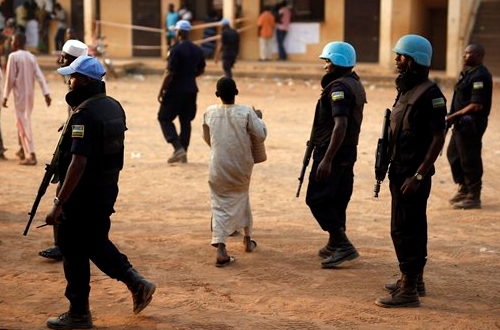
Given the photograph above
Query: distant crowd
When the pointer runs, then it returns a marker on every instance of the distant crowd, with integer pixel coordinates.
(31, 17)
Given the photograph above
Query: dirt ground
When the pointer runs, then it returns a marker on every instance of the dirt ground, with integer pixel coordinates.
(162, 222)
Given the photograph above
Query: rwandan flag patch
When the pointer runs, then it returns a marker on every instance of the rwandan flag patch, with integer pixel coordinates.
(77, 131)
(336, 96)
(478, 85)
(438, 103)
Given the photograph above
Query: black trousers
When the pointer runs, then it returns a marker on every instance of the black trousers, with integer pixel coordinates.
(280, 37)
(464, 151)
(409, 224)
(227, 66)
(83, 237)
(328, 200)
(182, 105)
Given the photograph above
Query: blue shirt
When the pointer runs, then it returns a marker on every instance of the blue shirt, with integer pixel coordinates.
(171, 19)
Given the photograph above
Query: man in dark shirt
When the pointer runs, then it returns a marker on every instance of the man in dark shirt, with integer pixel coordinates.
(469, 116)
(228, 46)
(178, 91)
(90, 160)
(335, 133)
(416, 139)
(71, 50)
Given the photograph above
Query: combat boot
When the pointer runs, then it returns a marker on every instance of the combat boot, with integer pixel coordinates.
(328, 249)
(405, 296)
(72, 319)
(460, 195)
(142, 290)
(471, 201)
(344, 250)
(391, 287)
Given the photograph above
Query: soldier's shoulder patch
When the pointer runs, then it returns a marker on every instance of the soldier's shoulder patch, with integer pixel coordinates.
(336, 96)
(477, 85)
(438, 103)
(77, 131)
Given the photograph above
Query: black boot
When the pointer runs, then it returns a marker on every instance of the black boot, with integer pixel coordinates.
(405, 296)
(460, 195)
(73, 319)
(142, 290)
(472, 200)
(391, 287)
(344, 250)
(328, 249)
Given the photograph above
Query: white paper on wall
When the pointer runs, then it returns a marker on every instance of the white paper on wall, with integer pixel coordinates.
(298, 37)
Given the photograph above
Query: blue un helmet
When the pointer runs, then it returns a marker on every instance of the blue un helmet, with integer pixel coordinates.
(340, 54)
(416, 47)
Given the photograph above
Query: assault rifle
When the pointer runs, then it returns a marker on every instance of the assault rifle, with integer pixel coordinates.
(48, 177)
(382, 155)
(305, 163)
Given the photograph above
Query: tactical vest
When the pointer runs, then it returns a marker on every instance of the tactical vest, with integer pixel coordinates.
(106, 161)
(105, 167)
(356, 115)
(405, 140)
(354, 123)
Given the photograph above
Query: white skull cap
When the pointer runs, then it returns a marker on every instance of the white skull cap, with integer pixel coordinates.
(75, 48)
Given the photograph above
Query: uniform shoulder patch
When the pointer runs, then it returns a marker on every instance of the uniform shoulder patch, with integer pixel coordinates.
(438, 103)
(336, 96)
(477, 85)
(77, 131)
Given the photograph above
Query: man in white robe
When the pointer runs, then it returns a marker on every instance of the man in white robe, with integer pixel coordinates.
(229, 130)
(22, 69)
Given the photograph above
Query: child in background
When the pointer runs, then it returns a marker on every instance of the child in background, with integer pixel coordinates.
(231, 131)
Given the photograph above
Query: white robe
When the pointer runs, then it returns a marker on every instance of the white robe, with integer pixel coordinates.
(22, 69)
(228, 129)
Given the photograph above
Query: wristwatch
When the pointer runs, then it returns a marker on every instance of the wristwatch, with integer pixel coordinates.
(418, 176)
(57, 201)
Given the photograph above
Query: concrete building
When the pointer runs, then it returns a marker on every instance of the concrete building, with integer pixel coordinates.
(371, 26)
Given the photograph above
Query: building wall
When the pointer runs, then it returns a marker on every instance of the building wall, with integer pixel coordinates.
(331, 29)
(418, 17)
(249, 45)
(118, 40)
(386, 34)
(460, 19)
(66, 4)
(397, 18)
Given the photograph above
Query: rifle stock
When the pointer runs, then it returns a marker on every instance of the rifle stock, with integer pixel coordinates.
(50, 171)
(382, 154)
(305, 163)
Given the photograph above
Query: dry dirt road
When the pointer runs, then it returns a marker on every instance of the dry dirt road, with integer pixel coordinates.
(162, 223)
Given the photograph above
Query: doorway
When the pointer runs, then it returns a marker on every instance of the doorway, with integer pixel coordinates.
(146, 13)
(361, 28)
